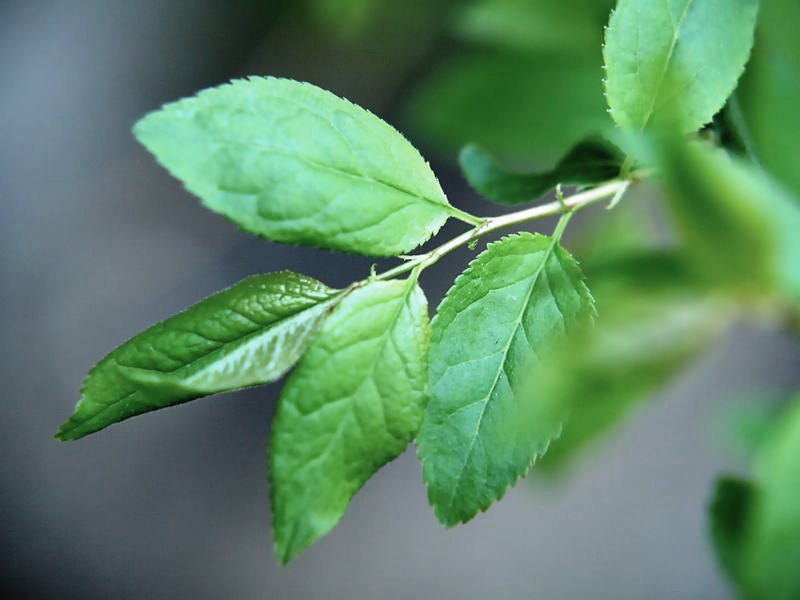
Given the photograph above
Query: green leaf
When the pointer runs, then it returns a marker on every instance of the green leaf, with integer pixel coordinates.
(512, 303)
(249, 334)
(519, 107)
(654, 319)
(296, 164)
(591, 161)
(772, 555)
(675, 61)
(738, 226)
(729, 513)
(353, 404)
(770, 91)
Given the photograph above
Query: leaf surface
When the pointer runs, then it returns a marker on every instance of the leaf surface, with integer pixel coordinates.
(297, 164)
(353, 404)
(519, 296)
(249, 334)
(591, 161)
(675, 60)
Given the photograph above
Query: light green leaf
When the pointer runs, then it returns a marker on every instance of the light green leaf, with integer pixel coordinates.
(675, 60)
(591, 161)
(770, 91)
(353, 404)
(518, 107)
(512, 303)
(249, 334)
(296, 164)
(772, 555)
(738, 226)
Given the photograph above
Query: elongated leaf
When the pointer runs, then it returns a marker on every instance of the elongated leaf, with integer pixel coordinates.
(249, 334)
(513, 302)
(296, 164)
(738, 225)
(675, 60)
(591, 161)
(352, 405)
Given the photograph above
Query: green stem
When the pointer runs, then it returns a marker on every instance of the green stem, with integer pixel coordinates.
(563, 206)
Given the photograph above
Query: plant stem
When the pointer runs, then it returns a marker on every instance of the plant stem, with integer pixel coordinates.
(487, 225)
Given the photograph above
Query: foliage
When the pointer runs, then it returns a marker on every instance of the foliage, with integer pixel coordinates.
(521, 358)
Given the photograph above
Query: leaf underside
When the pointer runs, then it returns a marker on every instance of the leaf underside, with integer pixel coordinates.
(247, 335)
(513, 302)
(296, 164)
(591, 161)
(353, 404)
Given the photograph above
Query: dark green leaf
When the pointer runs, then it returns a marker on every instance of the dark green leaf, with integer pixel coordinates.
(729, 512)
(512, 303)
(249, 334)
(591, 161)
(353, 404)
(296, 164)
(675, 61)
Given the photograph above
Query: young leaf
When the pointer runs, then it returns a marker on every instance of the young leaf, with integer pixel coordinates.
(249, 334)
(512, 303)
(353, 404)
(675, 60)
(739, 227)
(729, 513)
(591, 161)
(296, 164)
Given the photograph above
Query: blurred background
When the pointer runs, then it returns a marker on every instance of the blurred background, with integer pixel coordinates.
(98, 243)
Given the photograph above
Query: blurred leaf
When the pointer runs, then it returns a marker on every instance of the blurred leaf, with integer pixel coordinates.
(739, 227)
(294, 163)
(729, 512)
(677, 60)
(590, 162)
(744, 427)
(249, 334)
(349, 17)
(770, 91)
(554, 26)
(518, 107)
(515, 300)
(653, 319)
(771, 558)
(353, 404)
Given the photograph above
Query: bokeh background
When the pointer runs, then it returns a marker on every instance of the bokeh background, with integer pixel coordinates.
(98, 243)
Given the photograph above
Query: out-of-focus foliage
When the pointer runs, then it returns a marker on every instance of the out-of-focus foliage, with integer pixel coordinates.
(527, 85)
(770, 91)
(756, 526)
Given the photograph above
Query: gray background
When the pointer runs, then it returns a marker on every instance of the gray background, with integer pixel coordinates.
(98, 243)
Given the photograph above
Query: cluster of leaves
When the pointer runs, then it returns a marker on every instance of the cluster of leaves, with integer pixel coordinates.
(514, 364)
